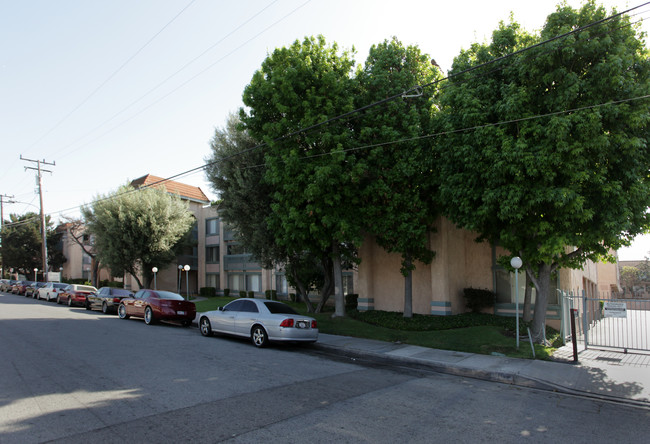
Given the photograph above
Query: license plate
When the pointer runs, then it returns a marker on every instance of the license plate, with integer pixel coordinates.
(180, 312)
(302, 324)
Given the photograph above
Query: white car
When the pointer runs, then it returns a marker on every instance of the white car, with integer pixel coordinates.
(51, 291)
(260, 320)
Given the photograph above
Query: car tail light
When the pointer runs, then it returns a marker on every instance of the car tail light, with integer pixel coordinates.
(314, 324)
(116, 300)
(287, 323)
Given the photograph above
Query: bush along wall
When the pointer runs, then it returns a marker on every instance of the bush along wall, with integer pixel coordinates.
(477, 299)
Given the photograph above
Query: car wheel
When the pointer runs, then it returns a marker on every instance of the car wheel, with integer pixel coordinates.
(87, 305)
(121, 312)
(148, 316)
(259, 337)
(69, 301)
(205, 327)
(58, 300)
(104, 308)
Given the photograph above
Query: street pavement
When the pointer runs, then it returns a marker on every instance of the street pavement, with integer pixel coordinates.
(607, 375)
(604, 374)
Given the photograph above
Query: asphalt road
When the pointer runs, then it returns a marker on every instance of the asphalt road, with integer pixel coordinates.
(72, 376)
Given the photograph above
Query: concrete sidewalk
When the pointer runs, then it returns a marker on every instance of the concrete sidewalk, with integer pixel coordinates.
(606, 375)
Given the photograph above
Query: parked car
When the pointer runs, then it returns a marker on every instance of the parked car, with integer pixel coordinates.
(20, 287)
(75, 294)
(32, 290)
(107, 299)
(6, 284)
(157, 305)
(260, 320)
(51, 290)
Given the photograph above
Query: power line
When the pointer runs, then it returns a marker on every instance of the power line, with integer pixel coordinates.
(394, 97)
(83, 102)
(212, 65)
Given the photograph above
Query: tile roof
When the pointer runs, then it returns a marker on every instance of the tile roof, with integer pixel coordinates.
(184, 191)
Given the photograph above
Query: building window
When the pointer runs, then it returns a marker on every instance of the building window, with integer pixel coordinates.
(211, 227)
(236, 282)
(212, 254)
(212, 280)
(281, 284)
(254, 282)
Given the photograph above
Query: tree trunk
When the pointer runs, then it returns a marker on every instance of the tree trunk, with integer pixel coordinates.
(338, 281)
(328, 283)
(302, 291)
(542, 285)
(528, 294)
(408, 291)
(95, 267)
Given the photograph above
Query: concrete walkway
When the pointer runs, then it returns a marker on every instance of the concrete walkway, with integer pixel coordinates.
(606, 375)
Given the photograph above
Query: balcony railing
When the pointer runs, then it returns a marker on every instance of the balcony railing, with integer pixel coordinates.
(240, 262)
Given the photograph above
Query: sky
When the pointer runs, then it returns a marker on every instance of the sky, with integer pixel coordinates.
(105, 92)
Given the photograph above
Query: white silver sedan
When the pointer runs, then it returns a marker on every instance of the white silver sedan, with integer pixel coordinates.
(261, 320)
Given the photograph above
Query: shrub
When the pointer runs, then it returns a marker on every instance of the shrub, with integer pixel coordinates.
(478, 299)
(226, 292)
(251, 294)
(351, 301)
(242, 293)
(274, 295)
(208, 292)
(292, 297)
(114, 284)
(267, 294)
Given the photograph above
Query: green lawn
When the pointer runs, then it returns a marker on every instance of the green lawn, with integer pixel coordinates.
(473, 333)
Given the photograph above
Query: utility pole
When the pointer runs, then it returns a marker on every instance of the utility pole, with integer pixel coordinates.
(40, 194)
(2, 234)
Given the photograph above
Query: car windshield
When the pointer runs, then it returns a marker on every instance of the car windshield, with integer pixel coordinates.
(120, 292)
(60, 285)
(279, 308)
(86, 288)
(170, 296)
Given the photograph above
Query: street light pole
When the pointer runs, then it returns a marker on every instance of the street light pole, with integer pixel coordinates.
(35, 271)
(155, 284)
(516, 263)
(187, 280)
(180, 276)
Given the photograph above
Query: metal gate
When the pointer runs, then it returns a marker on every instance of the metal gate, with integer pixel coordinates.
(595, 329)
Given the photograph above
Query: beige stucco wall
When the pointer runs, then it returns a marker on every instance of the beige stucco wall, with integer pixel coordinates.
(460, 262)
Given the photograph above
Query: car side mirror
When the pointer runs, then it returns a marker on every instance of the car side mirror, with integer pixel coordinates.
(220, 309)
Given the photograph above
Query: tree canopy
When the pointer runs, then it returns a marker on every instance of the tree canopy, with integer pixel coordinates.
(315, 203)
(137, 229)
(21, 244)
(398, 193)
(546, 153)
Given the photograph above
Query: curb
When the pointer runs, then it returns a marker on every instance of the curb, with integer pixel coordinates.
(485, 375)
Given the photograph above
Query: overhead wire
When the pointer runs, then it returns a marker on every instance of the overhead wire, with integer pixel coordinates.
(111, 76)
(156, 87)
(362, 109)
(209, 67)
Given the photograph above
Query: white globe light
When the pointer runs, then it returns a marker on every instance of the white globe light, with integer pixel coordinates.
(516, 262)
(155, 269)
(186, 268)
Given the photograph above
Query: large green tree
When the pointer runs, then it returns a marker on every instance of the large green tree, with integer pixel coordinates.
(397, 189)
(315, 205)
(566, 180)
(137, 229)
(21, 245)
(236, 170)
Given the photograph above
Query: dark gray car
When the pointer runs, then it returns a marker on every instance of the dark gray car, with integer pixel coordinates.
(107, 299)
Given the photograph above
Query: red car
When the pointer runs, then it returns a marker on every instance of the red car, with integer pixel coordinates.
(20, 287)
(157, 305)
(75, 294)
